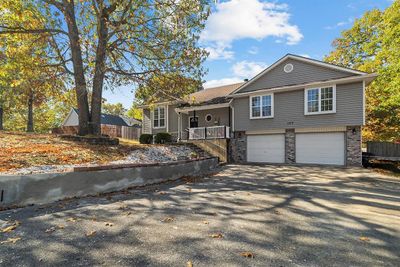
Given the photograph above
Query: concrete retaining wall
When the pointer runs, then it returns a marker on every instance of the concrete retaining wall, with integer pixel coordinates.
(48, 187)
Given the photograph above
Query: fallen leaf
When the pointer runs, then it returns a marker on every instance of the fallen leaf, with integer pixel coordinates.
(247, 254)
(277, 212)
(11, 240)
(168, 219)
(91, 233)
(205, 222)
(217, 235)
(50, 230)
(162, 193)
(10, 228)
(109, 224)
(72, 219)
(189, 264)
(61, 226)
(189, 190)
(364, 238)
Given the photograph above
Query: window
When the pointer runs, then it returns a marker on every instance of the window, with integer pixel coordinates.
(261, 106)
(159, 117)
(208, 117)
(320, 100)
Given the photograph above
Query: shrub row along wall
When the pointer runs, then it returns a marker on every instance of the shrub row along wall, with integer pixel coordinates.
(48, 187)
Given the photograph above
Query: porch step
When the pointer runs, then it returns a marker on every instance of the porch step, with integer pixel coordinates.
(200, 152)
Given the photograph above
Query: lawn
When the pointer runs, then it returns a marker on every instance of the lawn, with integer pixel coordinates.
(20, 150)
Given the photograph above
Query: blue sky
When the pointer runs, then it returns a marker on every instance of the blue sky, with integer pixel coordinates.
(245, 36)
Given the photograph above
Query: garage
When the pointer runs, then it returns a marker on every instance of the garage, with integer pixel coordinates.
(266, 148)
(320, 148)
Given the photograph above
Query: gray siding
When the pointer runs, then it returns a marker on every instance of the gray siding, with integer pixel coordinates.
(302, 73)
(220, 116)
(146, 123)
(289, 111)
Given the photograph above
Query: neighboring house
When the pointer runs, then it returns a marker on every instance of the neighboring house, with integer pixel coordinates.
(111, 125)
(298, 110)
(106, 119)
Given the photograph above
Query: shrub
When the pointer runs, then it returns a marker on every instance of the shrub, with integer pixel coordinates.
(162, 138)
(145, 139)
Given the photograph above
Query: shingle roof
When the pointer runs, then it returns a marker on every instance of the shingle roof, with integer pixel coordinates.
(110, 119)
(213, 95)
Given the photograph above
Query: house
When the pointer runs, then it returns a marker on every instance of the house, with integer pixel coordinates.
(298, 110)
(112, 125)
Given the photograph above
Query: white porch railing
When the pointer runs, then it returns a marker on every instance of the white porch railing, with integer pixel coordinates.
(213, 132)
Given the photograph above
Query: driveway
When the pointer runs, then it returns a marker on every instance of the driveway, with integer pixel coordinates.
(282, 215)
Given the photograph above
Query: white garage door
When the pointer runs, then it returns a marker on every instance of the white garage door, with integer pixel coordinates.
(266, 148)
(320, 148)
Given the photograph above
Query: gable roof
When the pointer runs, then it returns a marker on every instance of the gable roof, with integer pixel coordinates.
(109, 119)
(213, 95)
(302, 59)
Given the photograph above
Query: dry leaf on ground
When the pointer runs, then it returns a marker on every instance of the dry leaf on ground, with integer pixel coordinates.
(364, 238)
(168, 219)
(109, 224)
(205, 222)
(277, 212)
(189, 264)
(11, 227)
(72, 219)
(91, 233)
(216, 235)
(11, 240)
(162, 193)
(247, 254)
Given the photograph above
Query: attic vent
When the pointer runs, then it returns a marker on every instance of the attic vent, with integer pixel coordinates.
(288, 68)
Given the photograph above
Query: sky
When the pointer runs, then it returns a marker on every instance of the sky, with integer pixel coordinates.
(244, 37)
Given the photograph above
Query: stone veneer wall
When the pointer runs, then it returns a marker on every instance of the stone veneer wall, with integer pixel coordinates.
(290, 146)
(238, 147)
(353, 146)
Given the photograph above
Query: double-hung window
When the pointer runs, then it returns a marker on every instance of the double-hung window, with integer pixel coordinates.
(262, 106)
(320, 100)
(159, 117)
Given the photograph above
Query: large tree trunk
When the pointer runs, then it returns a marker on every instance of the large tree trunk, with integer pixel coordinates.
(79, 74)
(99, 73)
(29, 126)
(1, 116)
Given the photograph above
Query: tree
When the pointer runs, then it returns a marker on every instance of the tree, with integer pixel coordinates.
(373, 45)
(112, 42)
(25, 73)
(135, 112)
(114, 109)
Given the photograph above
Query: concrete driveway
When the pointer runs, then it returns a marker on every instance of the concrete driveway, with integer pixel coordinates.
(284, 216)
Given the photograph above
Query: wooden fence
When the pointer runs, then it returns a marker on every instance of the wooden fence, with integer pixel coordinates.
(384, 149)
(110, 130)
(131, 133)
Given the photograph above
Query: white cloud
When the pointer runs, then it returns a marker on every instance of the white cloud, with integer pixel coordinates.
(219, 51)
(248, 69)
(238, 19)
(220, 82)
(253, 50)
(241, 70)
(340, 24)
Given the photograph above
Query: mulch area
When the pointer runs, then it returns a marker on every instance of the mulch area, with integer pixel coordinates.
(22, 150)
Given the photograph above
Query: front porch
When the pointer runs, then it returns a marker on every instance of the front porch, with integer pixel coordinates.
(204, 122)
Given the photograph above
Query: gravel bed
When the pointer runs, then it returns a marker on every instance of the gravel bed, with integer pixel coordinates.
(150, 154)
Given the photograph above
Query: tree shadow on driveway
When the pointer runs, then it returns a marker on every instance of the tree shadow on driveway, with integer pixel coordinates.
(284, 215)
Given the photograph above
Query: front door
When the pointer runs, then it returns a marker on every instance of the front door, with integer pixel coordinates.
(194, 122)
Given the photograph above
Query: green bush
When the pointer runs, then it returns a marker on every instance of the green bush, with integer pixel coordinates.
(162, 138)
(146, 139)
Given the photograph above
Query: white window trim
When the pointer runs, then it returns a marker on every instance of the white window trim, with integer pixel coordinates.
(165, 117)
(261, 117)
(319, 112)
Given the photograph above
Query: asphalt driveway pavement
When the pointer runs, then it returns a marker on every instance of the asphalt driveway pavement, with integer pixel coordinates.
(280, 215)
